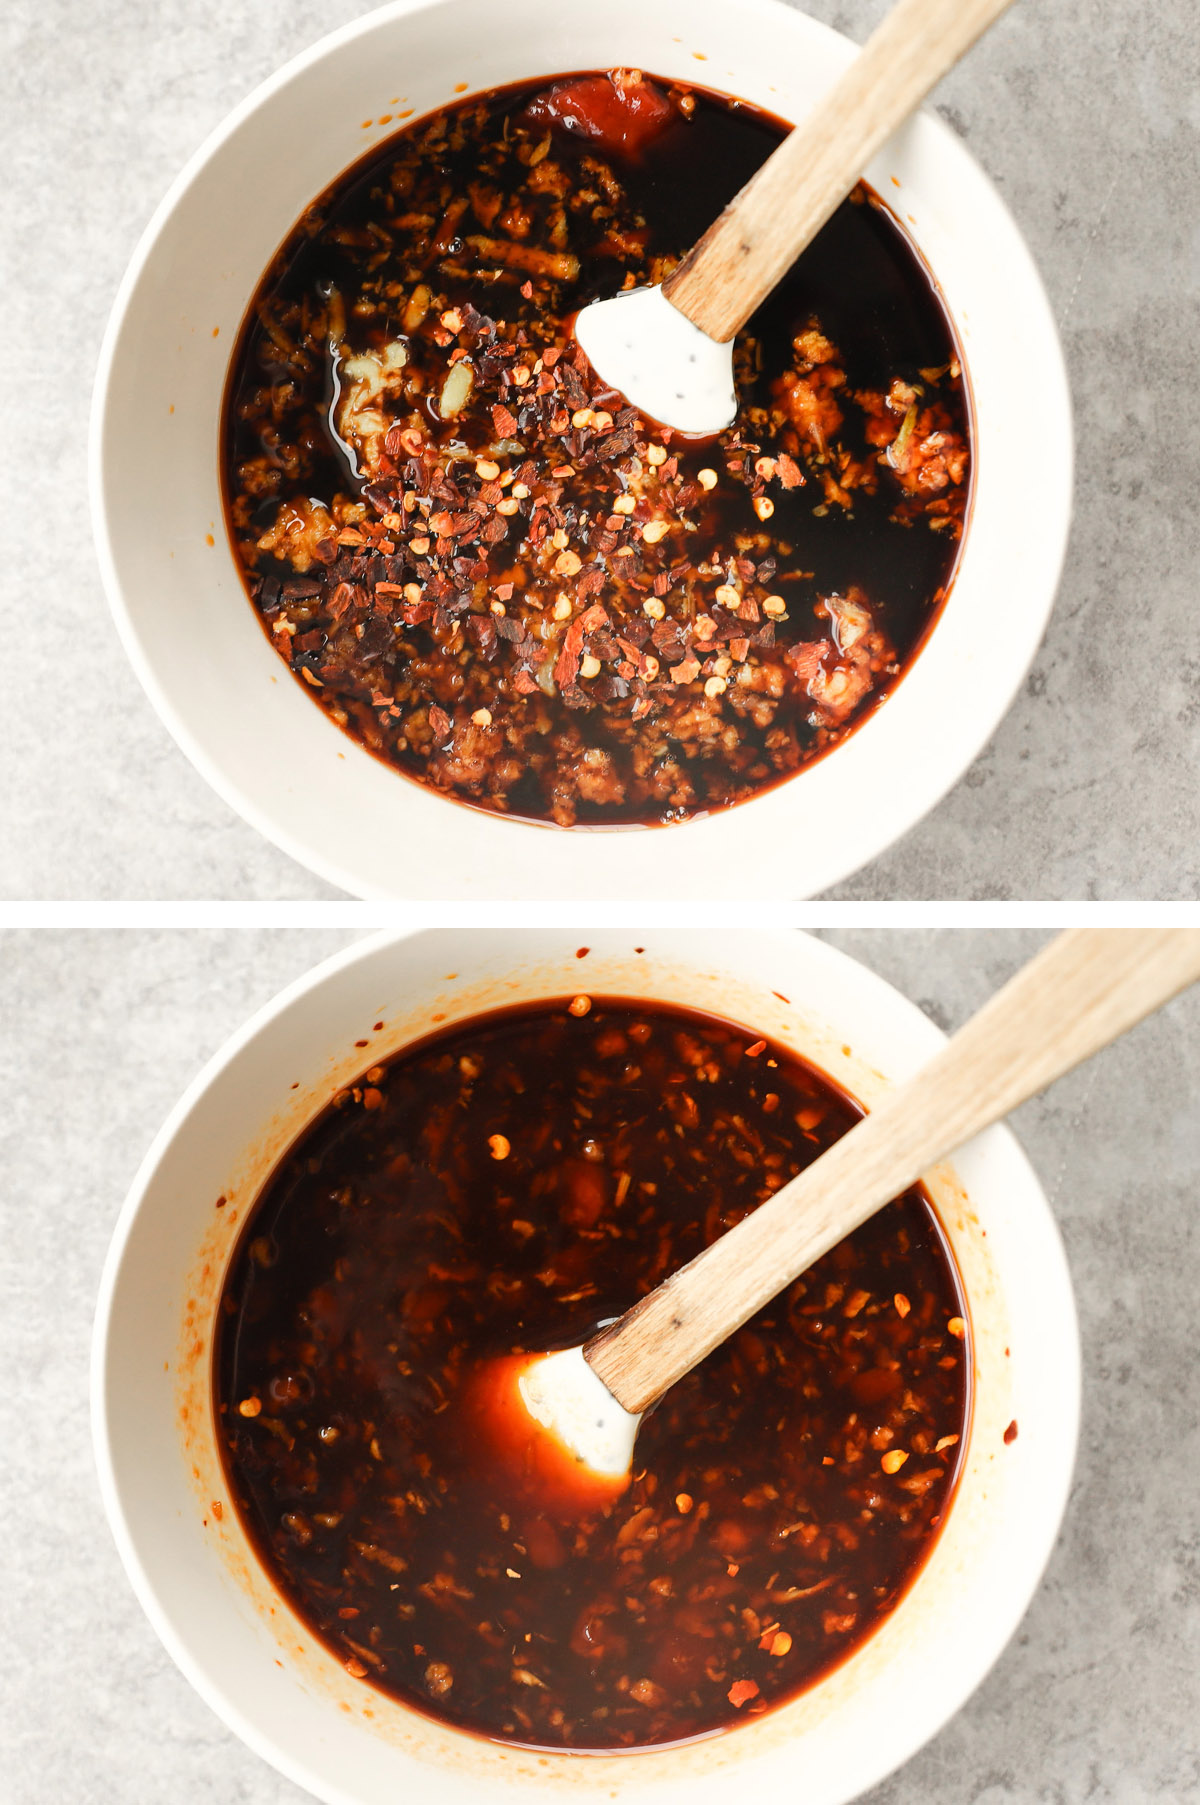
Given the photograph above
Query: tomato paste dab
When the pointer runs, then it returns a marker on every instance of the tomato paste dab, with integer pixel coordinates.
(507, 1186)
(496, 575)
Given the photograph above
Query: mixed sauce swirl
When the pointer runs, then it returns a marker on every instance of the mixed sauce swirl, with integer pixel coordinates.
(505, 1187)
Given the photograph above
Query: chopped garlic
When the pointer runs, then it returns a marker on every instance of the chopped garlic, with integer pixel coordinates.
(365, 381)
(456, 390)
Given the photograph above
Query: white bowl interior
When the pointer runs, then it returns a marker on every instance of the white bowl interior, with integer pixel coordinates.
(164, 1487)
(177, 595)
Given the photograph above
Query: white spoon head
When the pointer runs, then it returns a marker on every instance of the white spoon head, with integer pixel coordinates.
(666, 367)
(563, 1394)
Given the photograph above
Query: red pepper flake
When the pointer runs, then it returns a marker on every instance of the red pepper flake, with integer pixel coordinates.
(527, 289)
(566, 667)
(504, 592)
(440, 722)
(504, 421)
(593, 618)
(788, 471)
(741, 1692)
(1010, 1434)
(759, 1046)
(805, 659)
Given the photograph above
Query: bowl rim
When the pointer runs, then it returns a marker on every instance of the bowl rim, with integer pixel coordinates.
(1004, 1621)
(871, 837)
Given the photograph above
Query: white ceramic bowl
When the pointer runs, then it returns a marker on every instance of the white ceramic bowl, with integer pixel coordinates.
(162, 1480)
(179, 601)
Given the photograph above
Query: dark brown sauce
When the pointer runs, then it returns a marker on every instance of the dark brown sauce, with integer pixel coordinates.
(506, 1186)
(633, 741)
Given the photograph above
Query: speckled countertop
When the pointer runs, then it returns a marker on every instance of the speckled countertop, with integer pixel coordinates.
(1084, 112)
(1095, 1702)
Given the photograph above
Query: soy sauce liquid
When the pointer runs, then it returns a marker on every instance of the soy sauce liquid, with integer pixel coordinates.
(394, 1252)
(863, 279)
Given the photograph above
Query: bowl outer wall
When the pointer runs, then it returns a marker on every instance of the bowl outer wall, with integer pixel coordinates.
(180, 606)
(896, 1038)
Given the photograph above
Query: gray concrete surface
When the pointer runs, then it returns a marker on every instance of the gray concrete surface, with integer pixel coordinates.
(1086, 114)
(1096, 1701)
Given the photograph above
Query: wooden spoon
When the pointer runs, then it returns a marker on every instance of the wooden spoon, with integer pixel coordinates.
(1081, 992)
(669, 349)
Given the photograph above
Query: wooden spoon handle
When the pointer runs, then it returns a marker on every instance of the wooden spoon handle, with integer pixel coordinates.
(782, 208)
(1081, 992)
